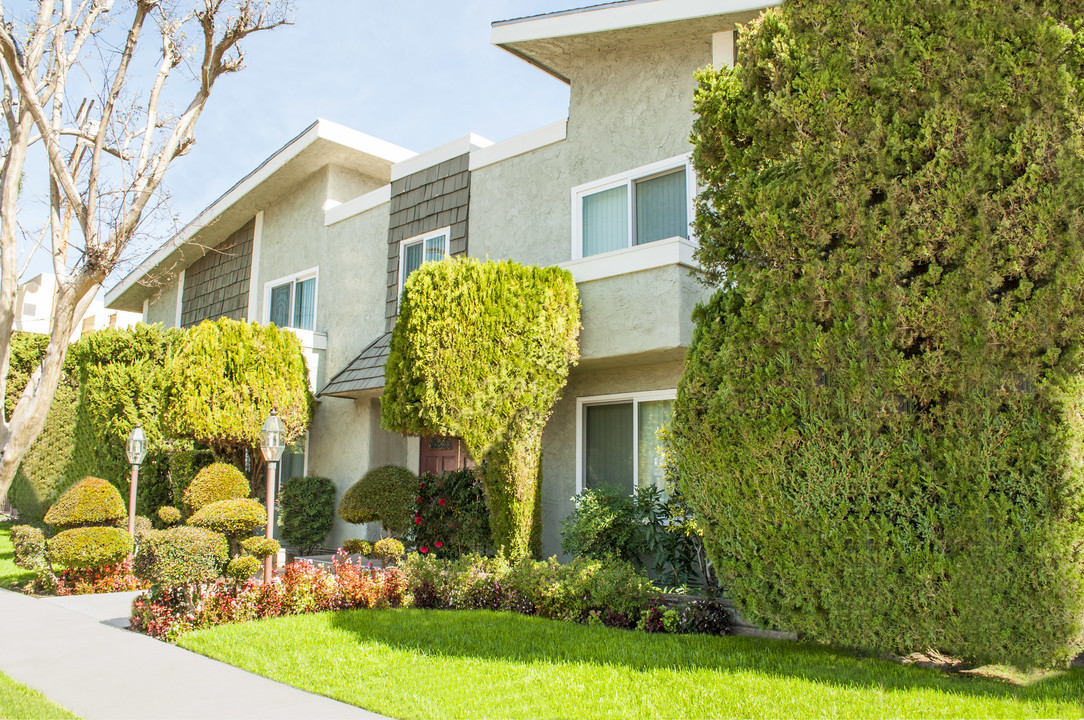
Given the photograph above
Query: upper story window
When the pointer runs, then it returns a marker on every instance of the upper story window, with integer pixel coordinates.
(640, 206)
(420, 249)
(291, 301)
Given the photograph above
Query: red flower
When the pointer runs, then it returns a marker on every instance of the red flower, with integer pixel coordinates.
(442, 501)
(439, 544)
(423, 549)
(421, 486)
(417, 521)
(419, 498)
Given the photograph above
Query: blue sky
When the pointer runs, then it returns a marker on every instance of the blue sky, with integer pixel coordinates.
(416, 73)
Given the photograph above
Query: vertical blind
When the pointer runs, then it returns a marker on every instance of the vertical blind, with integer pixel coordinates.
(412, 259)
(435, 248)
(608, 446)
(280, 305)
(606, 221)
(305, 304)
(661, 209)
(653, 416)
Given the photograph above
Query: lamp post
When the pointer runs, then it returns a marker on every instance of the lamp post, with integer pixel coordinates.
(272, 443)
(137, 450)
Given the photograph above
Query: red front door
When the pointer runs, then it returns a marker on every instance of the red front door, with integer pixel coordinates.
(441, 454)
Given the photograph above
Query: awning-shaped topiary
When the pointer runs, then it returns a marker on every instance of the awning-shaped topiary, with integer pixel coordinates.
(91, 501)
(385, 494)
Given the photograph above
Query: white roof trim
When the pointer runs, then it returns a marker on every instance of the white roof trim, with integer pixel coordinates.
(525, 143)
(447, 151)
(616, 16)
(358, 205)
(320, 129)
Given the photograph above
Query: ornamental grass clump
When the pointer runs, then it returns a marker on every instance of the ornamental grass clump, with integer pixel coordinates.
(880, 419)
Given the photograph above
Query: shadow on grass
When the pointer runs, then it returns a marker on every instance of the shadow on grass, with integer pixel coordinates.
(517, 638)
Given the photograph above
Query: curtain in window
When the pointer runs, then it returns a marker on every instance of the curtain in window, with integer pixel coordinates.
(412, 259)
(280, 305)
(608, 446)
(653, 416)
(305, 305)
(661, 208)
(606, 221)
(435, 248)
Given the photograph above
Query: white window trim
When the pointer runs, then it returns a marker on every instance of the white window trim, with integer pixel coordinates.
(295, 278)
(581, 429)
(445, 231)
(629, 179)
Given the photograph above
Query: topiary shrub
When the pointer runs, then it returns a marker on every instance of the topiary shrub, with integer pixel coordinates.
(29, 546)
(216, 482)
(260, 547)
(388, 550)
(142, 527)
(385, 494)
(242, 568)
(42, 474)
(880, 416)
(307, 511)
(605, 522)
(169, 515)
(234, 518)
(89, 547)
(91, 501)
(355, 546)
(181, 556)
(184, 465)
(481, 351)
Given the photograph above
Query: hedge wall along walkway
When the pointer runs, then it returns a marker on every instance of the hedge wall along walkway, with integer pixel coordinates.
(10, 575)
(477, 664)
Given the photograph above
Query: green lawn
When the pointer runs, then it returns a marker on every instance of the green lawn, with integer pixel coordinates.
(18, 702)
(444, 664)
(9, 574)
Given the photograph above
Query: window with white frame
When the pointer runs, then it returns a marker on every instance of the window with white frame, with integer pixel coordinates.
(618, 440)
(420, 249)
(290, 302)
(640, 206)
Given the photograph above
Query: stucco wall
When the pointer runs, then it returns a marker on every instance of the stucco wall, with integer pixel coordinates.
(162, 307)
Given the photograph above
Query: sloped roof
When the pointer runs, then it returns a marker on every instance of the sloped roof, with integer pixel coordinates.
(364, 373)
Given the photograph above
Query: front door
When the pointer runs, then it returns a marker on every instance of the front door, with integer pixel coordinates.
(441, 454)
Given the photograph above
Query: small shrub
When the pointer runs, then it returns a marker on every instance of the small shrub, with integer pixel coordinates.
(234, 518)
(260, 547)
(242, 568)
(91, 501)
(142, 527)
(605, 522)
(355, 546)
(707, 616)
(307, 510)
(184, 465)
(169, 515)
(89, 581)
(388, 550)
(29, 543)
(385, 495)
(181, 556)
(450, 515)
(214, 483)
(89, 547)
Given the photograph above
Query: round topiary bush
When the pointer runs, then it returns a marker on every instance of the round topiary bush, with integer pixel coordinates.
(388, 549)
(260, 547)
(234, 518)
(181, 556)
(356, 546)
(307, 510)
(242, 568)
(89, 547)
(385, 495)
(91, 501)
(169, 515)
(216, 482)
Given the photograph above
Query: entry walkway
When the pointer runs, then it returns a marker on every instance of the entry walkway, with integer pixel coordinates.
(71, 650)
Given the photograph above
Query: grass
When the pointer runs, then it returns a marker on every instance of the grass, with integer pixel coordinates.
(17, 701)
(474, 664)
(10, 575)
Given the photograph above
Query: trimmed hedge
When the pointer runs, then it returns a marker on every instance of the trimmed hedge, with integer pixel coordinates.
(385, 494)
(481, 351)
(242, 568)
(42, 474)
(388, 549)
(880, 421)
(181, 556)
(89, 547)
(234, 518)
(260, 547)
(29, 546)
(169, 515)
(218, 481)
(307, 511)
(91, 501)
(356, 546)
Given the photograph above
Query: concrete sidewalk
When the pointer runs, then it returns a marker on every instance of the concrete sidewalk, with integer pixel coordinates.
(71, 650)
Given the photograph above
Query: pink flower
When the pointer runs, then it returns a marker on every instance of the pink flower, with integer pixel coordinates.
(439, 544)
(423, 549)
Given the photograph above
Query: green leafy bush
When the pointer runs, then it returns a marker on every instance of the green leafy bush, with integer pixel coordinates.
(243, 567)
(260, 547)
(169, 515)
(359, 547)
(142, 527)
(307, 511)
(84, 548)
(388, 550)
(385, 494)
(184, 465)
(450, 514)
(481, 351)
(29, 546)
(880, 417)
(91, 501)
(216, 482)
(42, 474)
(235, 518)
(605, 522)
(181, 556)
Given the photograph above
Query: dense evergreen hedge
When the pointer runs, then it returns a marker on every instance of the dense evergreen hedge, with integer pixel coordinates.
(880, 422)
(481, 351)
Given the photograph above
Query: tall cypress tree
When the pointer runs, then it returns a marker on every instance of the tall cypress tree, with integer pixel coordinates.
(882, 418)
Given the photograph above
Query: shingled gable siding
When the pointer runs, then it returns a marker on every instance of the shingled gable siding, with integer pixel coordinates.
(427, 200)
(217, 284)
